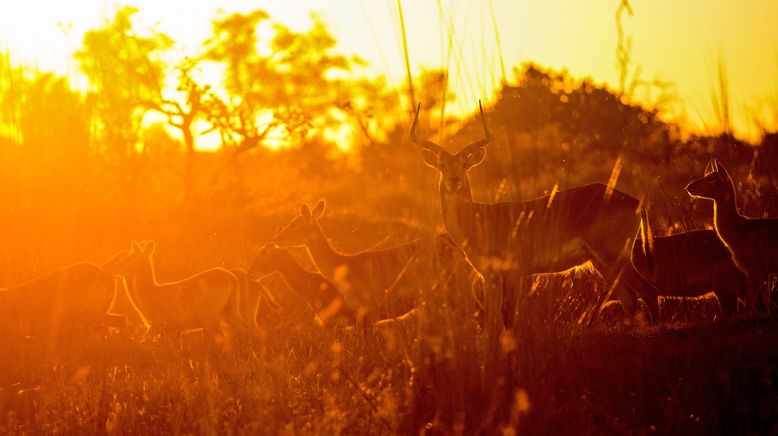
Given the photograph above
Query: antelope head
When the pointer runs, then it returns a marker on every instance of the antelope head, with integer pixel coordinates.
(263, 263)
(715, 185)
(138, 258)
(453, 168)
(303, 229)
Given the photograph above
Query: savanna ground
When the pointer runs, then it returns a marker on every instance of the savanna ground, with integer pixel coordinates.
(82, 175)
(548, 379)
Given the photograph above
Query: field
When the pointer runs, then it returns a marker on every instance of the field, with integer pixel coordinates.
(711, 378)
(432, 373)
(85, 174)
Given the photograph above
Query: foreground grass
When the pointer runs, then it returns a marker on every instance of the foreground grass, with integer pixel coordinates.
(715, 378)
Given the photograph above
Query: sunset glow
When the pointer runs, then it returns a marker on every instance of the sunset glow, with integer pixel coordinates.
(679, 42)
(388, 217)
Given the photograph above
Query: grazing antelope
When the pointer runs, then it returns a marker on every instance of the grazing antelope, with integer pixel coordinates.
(79, 295)
(204, 300)
(318, 293)
(364, 278)
(382, 283)
(506, 242)
(692, 264)
(753, 242)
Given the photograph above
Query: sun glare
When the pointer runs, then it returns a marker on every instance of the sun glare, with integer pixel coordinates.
(461, 37)
(396, 217)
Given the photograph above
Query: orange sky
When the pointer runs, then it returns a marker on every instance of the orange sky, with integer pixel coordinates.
(674, 40)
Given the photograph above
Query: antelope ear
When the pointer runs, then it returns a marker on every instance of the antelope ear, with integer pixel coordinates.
(711, 167)
(430, 158)
(722, 172)
(136, 248)
(318, 211)
(305, 212)
(475, 157)
(148, 250)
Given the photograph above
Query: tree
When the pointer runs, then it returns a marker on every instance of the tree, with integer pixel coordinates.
(293, 89)
(199, 103)
(42, 115)
(54, 119)
(126, 76)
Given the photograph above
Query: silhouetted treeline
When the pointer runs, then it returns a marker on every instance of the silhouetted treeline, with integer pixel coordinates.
(80, 175)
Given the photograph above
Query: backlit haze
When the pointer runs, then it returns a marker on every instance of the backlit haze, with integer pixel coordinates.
(675, 41)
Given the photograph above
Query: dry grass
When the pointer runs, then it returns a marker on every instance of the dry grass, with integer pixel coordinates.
(433, 373)
(438, 373)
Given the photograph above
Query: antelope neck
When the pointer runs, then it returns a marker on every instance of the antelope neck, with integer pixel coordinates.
(145, 277)
(454, 215)
(323, 255)
(725, 214)
(298, 277)
(142, 290)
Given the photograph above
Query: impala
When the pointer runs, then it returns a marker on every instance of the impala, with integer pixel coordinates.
(364, 278)
(506, 242)
(383, 283)
(82, 294)
(204, 300)
(252, 294)
(753, 242)
(123, 303)
(319, 294)
(692, 264)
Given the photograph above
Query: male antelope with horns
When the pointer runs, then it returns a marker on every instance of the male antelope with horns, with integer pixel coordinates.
(508, 241)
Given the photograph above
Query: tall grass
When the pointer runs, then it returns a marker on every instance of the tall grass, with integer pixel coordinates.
(443, 372)
(430, 375)
(720, 98)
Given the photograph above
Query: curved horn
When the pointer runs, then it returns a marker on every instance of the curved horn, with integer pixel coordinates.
(431, 146)
(480, 143)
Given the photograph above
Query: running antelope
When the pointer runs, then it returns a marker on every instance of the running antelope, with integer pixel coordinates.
(319, 294)
(753, 242)
(381, 283)
(506, 242)
(79, 295)
(204, 300)
(692, 264)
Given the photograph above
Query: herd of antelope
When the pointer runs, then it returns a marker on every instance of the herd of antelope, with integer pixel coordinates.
(489, 251)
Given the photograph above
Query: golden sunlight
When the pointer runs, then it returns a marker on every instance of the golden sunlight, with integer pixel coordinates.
(677, 45)
(388, 217)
